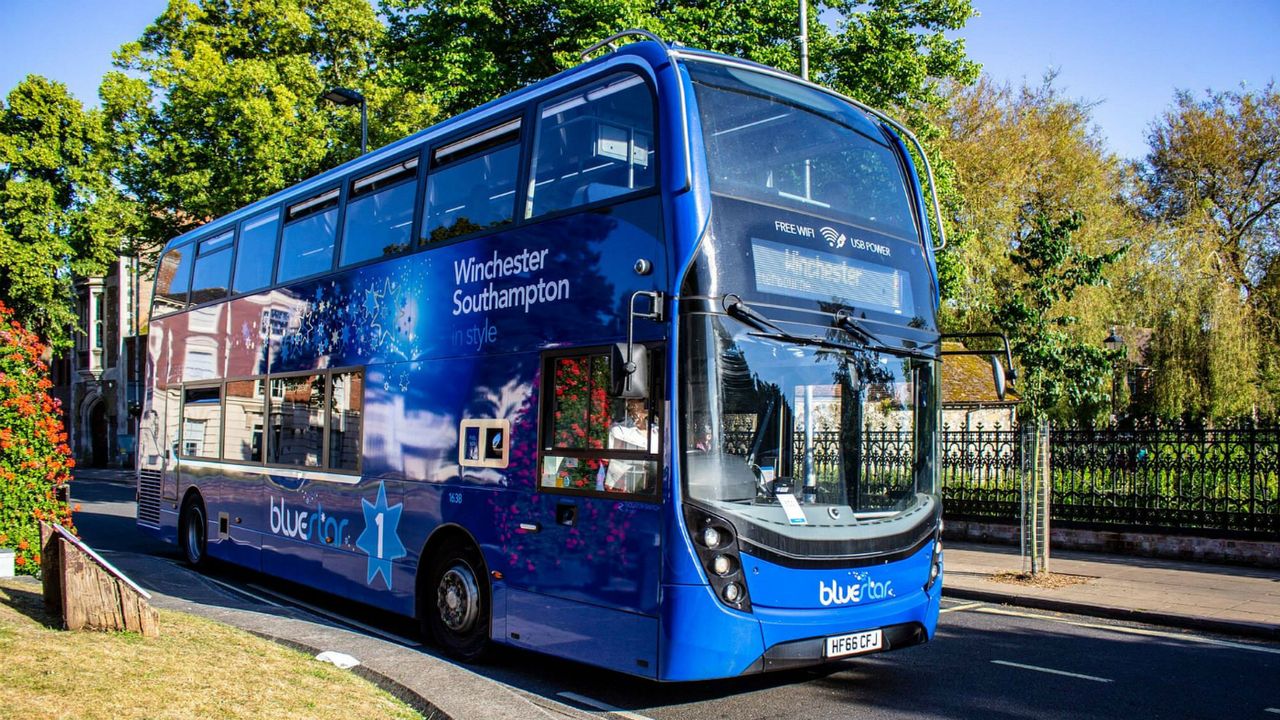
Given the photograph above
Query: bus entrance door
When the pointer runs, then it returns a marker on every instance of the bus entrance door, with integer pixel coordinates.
(589, 573)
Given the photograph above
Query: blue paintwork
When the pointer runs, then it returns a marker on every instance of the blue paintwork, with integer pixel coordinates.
(622, 588)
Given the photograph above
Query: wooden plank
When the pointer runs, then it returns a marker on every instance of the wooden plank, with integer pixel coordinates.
(95, 596)
(51, 575)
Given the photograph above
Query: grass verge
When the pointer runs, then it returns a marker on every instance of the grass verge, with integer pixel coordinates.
(195, 669)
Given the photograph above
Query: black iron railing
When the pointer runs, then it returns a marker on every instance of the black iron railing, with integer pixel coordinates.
(1166, 478)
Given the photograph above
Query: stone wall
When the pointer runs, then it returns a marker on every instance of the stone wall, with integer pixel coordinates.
(1257, 553)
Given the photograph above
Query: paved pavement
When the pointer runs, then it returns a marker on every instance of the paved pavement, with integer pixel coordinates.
(521, 684)
(1197, 596)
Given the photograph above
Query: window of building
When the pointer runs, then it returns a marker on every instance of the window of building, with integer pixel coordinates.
(201, 422)
(297, 421)
(173, 278)
(346, 413)
(593, 144)
(257, 252)
(99, 314)
(242, 432)
(472, 183)
(212, 274)
(594, 442)
(310, 228)
(379, 218)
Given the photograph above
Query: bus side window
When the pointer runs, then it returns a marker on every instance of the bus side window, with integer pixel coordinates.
(257, 252)
(201, 422)
(173, 280)
(593, 144)
(242, 433)
(593, 442)
(379, 219)
(212, 274)
(346, 411)
(297, 421)
(309, 232)
(472, 183)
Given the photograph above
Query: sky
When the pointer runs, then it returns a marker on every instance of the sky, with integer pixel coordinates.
(1128, 56)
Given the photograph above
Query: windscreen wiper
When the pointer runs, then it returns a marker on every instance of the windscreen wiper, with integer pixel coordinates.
(846, 321)
(738, 310)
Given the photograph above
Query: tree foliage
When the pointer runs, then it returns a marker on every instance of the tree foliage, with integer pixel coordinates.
(1061, 376)
(1029, 146)
(888, 52)
(59, 211)
(218, 103)
(1211, 183)
(34, 457)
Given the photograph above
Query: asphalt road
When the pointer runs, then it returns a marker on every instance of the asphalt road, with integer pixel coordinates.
(990, 662)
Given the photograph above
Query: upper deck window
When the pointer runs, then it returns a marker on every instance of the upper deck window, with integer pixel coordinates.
(173, 279)
(472, 183)
(782, 143)
(593, 144)
(212, 274)
(309, 231)
(257, 252)
(379, 219)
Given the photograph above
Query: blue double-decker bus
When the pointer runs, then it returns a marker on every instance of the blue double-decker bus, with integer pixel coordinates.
(637, 366)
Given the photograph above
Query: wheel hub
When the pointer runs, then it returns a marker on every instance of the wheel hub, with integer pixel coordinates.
(458, 598)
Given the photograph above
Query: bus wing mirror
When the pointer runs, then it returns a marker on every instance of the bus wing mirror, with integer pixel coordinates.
(629, 378)
(998, 376)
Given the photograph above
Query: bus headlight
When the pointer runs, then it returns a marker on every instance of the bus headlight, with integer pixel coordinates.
(732, 593)
(722, 565)
(716, 544)
(935, 562)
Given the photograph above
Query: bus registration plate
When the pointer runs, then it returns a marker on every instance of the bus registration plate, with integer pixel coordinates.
(853, 643)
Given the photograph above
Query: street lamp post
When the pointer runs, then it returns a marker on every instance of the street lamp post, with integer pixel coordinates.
(1115, 343)
(347, 97)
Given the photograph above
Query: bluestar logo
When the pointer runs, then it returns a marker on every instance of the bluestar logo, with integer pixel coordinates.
(862, 588)
(305, 525)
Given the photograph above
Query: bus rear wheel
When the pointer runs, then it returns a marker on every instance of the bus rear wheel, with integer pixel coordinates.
(453, 602)
(192, 530)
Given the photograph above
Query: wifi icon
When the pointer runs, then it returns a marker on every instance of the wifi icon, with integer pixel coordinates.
(835, 238)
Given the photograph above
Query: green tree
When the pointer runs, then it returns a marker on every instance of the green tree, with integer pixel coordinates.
(1212, 183)
(60, 212)
(218, 104)
(1061, 376)
(1019, 146)
(891, 53)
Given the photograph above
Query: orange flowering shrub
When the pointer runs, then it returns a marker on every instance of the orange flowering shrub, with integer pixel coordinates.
(34, 457)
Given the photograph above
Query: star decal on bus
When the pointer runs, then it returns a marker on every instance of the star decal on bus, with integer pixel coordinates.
(380, 539)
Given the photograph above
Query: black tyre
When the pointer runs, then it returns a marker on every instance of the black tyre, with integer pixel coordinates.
(193, 528)
(453, 601)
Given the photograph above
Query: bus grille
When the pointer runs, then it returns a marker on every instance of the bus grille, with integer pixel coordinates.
(149, 496)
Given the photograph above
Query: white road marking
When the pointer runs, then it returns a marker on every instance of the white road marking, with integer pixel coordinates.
(1273, 710)
(1134, 631)
(603, 706)
(966, 606)
(340, 618)
(1037, 668)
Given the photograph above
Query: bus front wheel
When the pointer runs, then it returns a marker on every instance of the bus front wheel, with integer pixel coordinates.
(192, 532)
(454, 602)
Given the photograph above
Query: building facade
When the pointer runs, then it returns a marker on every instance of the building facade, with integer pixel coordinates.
(100, 382)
